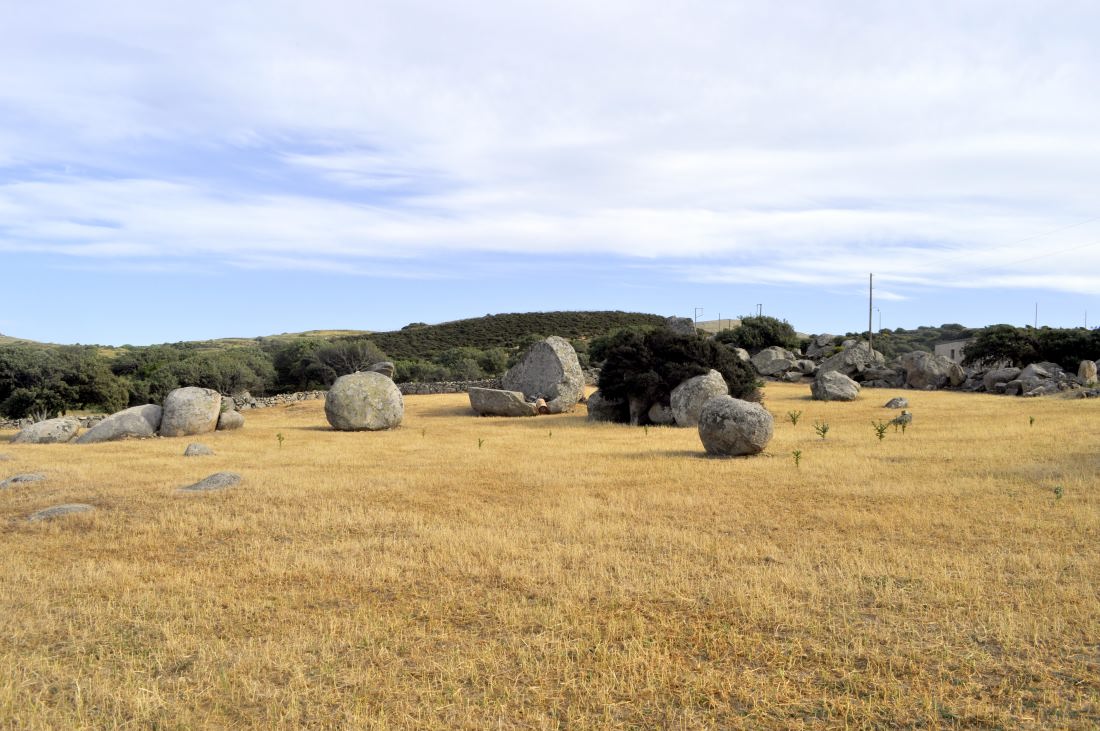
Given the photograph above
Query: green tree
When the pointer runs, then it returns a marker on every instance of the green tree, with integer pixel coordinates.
(759, 332)
(1003, 343)
(642, 370)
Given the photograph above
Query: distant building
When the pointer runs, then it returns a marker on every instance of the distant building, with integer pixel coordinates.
(953, 349)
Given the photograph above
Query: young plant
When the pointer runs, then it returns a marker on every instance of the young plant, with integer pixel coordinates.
(1059, 491)
(480, 441)
(793, 417)
(1031, 421)
(280, 437)
(880, 429)
(822, 428)
(797, 454)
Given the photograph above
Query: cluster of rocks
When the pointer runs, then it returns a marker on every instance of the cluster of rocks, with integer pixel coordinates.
(547, 380)
(186, 411)
(839, 372)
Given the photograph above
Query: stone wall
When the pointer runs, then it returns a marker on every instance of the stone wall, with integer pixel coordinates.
(245, 402)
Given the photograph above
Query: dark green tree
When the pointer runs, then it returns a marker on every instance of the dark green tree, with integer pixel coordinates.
(759, 332)
(642, 370)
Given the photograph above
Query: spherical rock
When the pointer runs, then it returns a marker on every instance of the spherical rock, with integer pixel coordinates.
(50, 431)
(731, 427)
(189, 411)
(230, 420)
(605, 409)
(364, 402)
(138, 422)
(689, 397)
(833, 386)
(773, 361)
(661, 415)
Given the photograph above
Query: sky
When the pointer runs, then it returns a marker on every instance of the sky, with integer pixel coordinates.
(188, 170)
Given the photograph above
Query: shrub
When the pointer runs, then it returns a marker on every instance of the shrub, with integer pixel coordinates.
(643, 369)
(759, 332)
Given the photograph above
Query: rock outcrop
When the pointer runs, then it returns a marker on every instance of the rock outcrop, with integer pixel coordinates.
(1086, 372)
(549, 370)
(24, 479)
(364, 402)
(999, 376)
(834, 386)
(216, 481)
(730, 427)
(190, 410)
(687, 399)
(897, 402)
(774, 360)
(927, 371)
(58, 511)
(50, 431)
(681, 325)
(853, 360)
(138, 422)
(498, 402)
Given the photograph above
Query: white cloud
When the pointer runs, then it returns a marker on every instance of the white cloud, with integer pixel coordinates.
(728, 141)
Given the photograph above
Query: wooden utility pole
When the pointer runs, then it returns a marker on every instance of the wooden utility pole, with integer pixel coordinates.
(870, 310)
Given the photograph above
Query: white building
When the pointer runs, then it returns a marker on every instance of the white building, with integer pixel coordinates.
(953, 349)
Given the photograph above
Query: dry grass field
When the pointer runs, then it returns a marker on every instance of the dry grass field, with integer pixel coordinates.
(544, 573)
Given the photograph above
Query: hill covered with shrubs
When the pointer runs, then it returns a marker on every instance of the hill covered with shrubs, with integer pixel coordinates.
(42, 380)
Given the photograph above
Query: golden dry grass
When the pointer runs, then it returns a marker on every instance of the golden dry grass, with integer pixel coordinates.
(565, 575)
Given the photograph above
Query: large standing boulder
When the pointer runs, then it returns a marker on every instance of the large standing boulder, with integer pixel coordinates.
(681, 325)
(190, 410)
(689, 397)
(924, 370)
(50, 431)
(853, 360)
(731, 427)
(549, 370)
(834, 386)
(364, 402)
(1086, 372)
(774, 360)
(605, 409)
(999, 375)
(497, 402)
(138, 422)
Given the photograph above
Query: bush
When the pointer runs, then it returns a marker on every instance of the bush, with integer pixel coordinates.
(757, 333)
(644, 369)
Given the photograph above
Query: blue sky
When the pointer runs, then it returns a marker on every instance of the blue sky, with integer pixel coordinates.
(175, 171)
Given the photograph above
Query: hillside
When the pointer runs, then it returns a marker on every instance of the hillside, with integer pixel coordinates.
(504, 331)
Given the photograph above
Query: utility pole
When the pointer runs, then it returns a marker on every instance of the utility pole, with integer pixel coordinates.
(697, 311)
(1036, 315)
(870, 309)
(759, 310)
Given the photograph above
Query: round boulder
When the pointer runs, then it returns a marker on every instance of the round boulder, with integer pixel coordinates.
(549, 370)
(773, 360)
(50, 431)
(689, 397)
(364, 402)
(834, 386)
(230, 420)
(194, 449)
(138, 422)
(898, 402)
(661, 415)
(731, 427)
(605, 409)
(385, 367)
(190, 410)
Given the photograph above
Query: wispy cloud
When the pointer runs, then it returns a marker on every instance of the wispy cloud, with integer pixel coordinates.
(718, 141)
